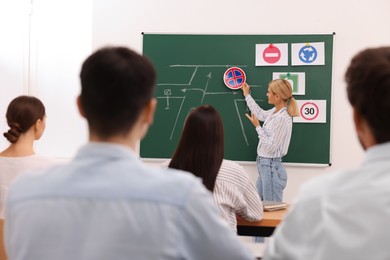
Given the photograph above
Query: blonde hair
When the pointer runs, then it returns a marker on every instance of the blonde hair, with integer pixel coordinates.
(283, 88)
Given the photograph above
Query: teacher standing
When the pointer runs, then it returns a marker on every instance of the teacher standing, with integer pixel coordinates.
(274, 136)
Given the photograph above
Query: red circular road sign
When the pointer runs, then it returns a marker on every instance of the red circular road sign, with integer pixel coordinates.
(309, 111)
(234, 78)
(271, 54)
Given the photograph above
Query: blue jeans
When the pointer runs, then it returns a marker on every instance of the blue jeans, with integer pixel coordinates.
(272, 178)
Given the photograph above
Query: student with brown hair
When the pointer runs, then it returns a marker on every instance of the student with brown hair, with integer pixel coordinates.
(346, 215)
(201, 151)
(27, 121)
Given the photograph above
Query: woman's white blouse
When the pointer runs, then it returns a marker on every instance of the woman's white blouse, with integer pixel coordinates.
(275, 134)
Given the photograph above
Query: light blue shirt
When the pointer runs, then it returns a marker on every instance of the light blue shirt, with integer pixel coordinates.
(106, 204)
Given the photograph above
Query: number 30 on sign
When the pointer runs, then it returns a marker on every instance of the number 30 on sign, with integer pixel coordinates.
(311, 111)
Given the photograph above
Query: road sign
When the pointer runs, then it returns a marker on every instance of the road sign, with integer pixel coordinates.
(234, 78)
(271, 54)
(311, 111)
(308, 54)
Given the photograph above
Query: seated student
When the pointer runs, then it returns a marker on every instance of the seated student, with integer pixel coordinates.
(200, 151)
(346, 215)
(26, 119)
(105, 203)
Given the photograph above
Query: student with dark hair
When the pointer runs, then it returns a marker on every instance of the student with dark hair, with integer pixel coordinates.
(201, 151)
(105, 203)
(26, 120)
(346, 215)
(201, 146)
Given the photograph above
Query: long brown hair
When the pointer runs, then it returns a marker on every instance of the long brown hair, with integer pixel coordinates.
(201, 147)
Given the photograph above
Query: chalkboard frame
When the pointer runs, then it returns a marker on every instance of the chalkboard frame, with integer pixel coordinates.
(180, 59)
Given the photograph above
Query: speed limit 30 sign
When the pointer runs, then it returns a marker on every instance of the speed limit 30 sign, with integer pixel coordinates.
(311, 111)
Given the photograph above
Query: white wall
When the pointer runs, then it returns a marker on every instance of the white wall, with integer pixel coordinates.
(358, 24)
(61, 36)
(14, 27)
(43, 43)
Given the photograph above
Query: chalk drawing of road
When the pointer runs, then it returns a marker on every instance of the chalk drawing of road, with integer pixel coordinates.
(201, 85)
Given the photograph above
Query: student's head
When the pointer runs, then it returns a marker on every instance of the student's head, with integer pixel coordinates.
(201, 146)
(117, 87)
(25, 113)
(368, 89)
(280, 90)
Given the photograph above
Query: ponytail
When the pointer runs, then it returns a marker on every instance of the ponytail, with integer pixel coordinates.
(292, 107)
(283, 88)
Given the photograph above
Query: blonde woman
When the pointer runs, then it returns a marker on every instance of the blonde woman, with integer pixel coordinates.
(274, 136)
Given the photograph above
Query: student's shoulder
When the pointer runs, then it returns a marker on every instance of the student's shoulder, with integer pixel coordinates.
(48, 172)
(165, 164)
(29, 182)
(174, 175)
(167, 176)
(52, 161)
(228, 166)
(177, 186)
(232, 172)
(322, 185)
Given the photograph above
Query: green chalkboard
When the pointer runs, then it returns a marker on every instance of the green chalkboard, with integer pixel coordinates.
(190, 73)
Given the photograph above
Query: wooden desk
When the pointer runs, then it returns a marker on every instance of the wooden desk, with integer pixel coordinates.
(262, 228)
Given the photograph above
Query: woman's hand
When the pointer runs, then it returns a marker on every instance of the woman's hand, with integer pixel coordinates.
(245, 89)
(253, 119)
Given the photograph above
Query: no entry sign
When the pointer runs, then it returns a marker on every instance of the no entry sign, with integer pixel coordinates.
(271, 54)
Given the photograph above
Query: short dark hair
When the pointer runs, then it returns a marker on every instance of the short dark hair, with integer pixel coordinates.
(201, 146)
(368, 88)
(22, 113)
(116, 84)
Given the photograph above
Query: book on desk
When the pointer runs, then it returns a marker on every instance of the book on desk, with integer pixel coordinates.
(273, 205)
